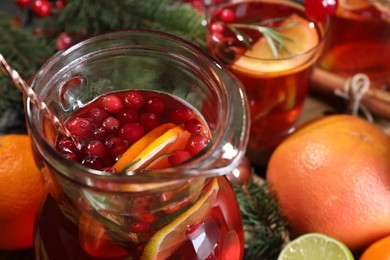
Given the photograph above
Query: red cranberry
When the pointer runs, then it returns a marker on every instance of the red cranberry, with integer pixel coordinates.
(134, 100)
(217, 27)
(179, 115)
(111, 124)
(70, 156)
(112, 103)
(149, 121)
(131, 132)
(96, 148)
(154, 105)
(227, 16)
(97, 115)
(116, 146)
(65, 145)
(99, 133)
(179, 156)
(93, 162)
(128, 116)
(319, 10)
(194, 126)
(196, 143)
(80, 127)
(192, 228)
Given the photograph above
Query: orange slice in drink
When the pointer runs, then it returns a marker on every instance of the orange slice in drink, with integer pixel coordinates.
(162, 244)
(302, 36)
(141, 145)
(94, 239)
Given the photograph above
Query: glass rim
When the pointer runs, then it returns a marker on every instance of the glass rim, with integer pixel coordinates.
(179, 173)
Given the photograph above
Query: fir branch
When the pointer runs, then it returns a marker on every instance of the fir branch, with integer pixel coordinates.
(170, 16)
(264, 226)
(26, 53)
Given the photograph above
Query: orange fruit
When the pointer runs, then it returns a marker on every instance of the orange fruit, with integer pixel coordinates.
(378, 250)
(332, 176)
(21, 188)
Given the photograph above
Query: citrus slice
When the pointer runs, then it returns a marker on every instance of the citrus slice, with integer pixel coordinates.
(301, 37)
(315, 246)
(139, 146)
(168, 239)
(166, 143)
(94, 239)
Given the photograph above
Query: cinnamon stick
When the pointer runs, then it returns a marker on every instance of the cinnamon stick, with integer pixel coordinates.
(376, 100)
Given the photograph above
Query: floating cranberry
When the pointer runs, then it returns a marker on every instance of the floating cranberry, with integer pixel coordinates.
(111, 124)
(65, 145)
(116, 146)
(99, 133)
(194, 126)
(132, 132)
(217, 27)
(227, 16)
(112, 103)
(179, 156)
(96, 148)
(70, 156)
(41, 8)
(97, 115)
(134, 100)
(93, 162)
(319, 10)
(154, 105)
(196, 143)
(80, 127)
(179, 115)
(128, 116)
(149, 121)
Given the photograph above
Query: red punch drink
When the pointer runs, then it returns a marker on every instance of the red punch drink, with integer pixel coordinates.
(359, 41)
(148, 179)
(271, 46)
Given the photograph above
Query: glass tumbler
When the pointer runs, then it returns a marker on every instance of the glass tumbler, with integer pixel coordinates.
(271, 46)
(188, 211)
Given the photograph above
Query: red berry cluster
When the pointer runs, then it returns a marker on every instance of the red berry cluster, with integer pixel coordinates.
(107, 127)
(40, 8)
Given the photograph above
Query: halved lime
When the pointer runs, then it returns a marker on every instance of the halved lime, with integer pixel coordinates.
(168, 239)
(315, 246)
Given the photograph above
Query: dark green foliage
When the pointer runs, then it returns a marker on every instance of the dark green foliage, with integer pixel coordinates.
(264, 225)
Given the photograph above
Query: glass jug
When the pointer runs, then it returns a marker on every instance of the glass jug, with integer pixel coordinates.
(188, 211)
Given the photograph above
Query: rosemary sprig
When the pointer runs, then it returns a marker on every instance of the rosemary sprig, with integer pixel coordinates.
(274, 37)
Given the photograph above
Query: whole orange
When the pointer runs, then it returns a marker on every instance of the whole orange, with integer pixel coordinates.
(21, 188)
(333, 177)
(378, 250)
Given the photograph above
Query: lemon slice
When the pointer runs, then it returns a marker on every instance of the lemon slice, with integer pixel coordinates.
(315, 246)
(168, 239)
(258, 60)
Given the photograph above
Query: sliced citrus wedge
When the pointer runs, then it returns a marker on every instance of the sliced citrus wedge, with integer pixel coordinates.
(168, 239)
(315, 246)
(95, 240)
(141, 145)
(162, 145)
(302, 36)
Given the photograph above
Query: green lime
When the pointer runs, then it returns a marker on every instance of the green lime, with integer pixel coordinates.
(169, 238)
(315, 246)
